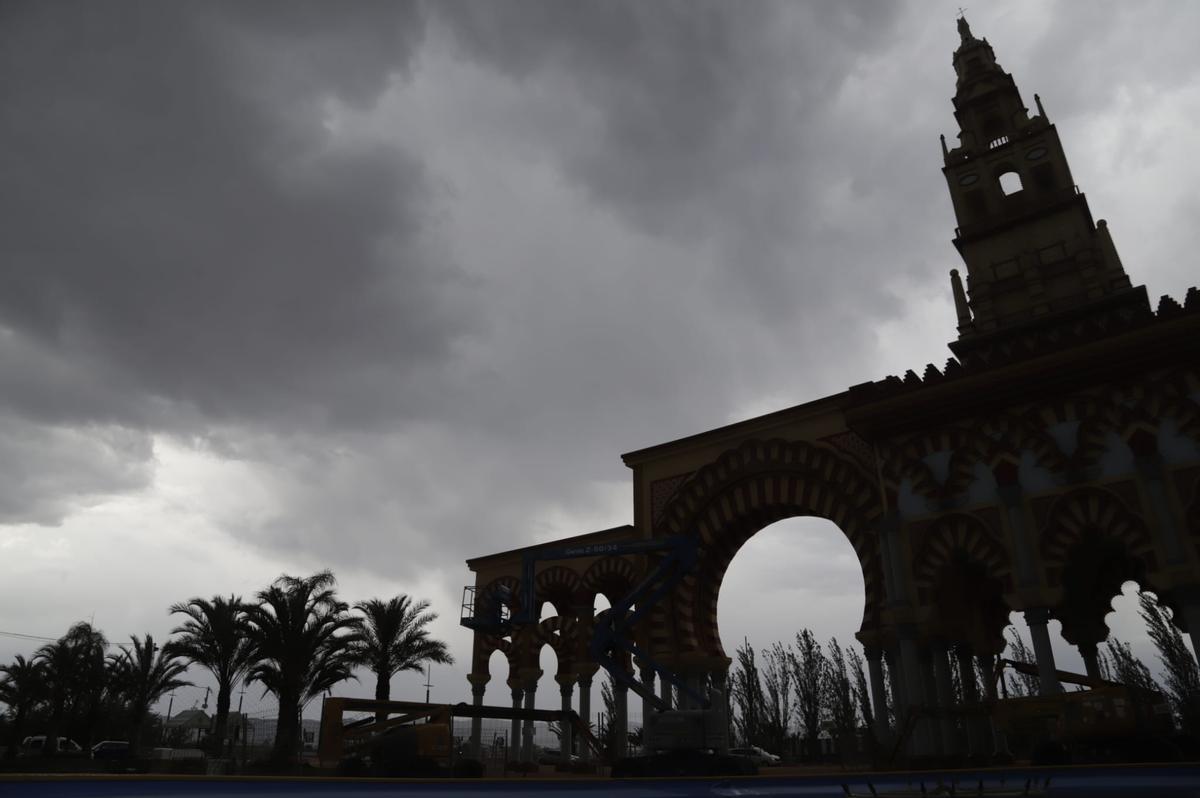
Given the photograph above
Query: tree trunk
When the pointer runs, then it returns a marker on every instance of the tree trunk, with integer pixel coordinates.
(54, 729)
(287, 727)
(14, 739)
(221, 722)
(135, 735)
(383, 692)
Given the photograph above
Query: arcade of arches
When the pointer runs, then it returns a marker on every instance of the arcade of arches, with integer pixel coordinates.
(1053, 458)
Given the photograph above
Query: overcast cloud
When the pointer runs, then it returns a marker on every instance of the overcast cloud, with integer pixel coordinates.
(381, 288)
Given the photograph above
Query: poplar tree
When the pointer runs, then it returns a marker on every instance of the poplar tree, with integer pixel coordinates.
(808, 669)
(746, 694)
(1182, 678)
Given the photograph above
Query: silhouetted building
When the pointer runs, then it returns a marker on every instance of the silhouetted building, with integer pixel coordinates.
(1054, 458)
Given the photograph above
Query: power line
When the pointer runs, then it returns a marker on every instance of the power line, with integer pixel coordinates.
(21, 636)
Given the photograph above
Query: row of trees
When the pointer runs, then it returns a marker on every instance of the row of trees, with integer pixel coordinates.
(801, 690)
(297, 640)
(819, 688)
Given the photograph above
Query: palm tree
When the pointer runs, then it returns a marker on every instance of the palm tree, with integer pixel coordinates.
(304, 640)
(73, 668)
(394, 640)
(22, 688)
(142, 674)
(214, 637)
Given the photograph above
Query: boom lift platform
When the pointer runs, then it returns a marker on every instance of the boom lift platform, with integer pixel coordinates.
(419, 739)
(1107, 720)
(685, 737)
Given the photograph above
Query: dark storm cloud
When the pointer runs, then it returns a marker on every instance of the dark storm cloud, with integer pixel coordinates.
(689, 93)
(427, 270)
(713, 118)
(44, 471)
(181, 226)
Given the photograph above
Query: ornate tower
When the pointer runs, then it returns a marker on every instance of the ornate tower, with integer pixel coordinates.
(1034, 257)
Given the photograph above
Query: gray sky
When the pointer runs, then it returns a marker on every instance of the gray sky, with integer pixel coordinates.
(382, 289)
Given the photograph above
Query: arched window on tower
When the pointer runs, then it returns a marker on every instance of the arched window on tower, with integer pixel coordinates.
(1010, 182)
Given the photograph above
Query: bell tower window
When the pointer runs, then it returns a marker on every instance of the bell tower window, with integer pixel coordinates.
(1010, 183)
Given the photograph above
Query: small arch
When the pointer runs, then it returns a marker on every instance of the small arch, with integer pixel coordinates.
(557, 585)
(612, 577)
(1086, 512)
(560, 634)
(1010, 182)
(503, 590)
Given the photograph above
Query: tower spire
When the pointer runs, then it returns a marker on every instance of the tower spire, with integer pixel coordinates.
(1025, 232)
(964, 29)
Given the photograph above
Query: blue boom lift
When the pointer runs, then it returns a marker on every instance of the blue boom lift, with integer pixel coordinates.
(683, 742)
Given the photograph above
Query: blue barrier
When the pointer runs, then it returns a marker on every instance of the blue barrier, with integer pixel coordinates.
(1110, 782)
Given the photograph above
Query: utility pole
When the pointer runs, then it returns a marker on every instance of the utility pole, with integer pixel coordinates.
(241, 721)
(427, 684)
(170, 706)
(245, 727)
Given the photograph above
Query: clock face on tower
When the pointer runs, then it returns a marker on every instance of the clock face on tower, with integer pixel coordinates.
(967, 180)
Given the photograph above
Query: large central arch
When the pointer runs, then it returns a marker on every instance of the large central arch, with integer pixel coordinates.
(725, 503)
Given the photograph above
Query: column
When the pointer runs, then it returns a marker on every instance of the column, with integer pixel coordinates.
(914, 690)
(1008, 491)
(478, 686)
(951, 743)
(647, 674)
(1091, 663)
(687, 700)
(566, 686)
(878, 692)
(892, 657)
(1188, 601)
(932, 704)
(514, 734)
(621, 721)
(973, 723)
(719, 696)
(987, 664)
(665, 691)
(1149, 464)
(1037, 618)
(585, 712)
(527, 730)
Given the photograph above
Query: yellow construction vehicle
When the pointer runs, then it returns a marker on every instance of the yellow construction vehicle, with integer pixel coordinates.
(1108, 721)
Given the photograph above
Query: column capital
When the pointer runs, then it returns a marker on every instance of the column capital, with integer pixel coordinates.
(478, 690)
(586, 670)
(528, 677)
(479, 679)
(566, 680)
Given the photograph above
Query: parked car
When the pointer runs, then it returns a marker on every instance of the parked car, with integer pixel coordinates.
(35, 745)
(756, 755)
(551, 756)
(177, 753)
(110, 749)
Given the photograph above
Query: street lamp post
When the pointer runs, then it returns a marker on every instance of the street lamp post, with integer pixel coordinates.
(170, 706)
